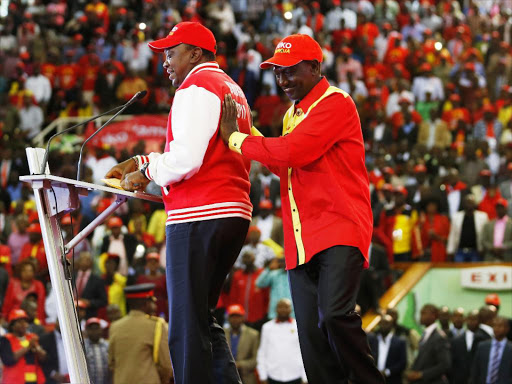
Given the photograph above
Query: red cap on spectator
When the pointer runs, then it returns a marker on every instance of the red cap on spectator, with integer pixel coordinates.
(24, 55)
(488, 108)
(404, 99)
(5, 254)
(454, 97)
(188, 32)
(509, 166)
(266, 204)
(93, 320)
(492, 299)
(388, 170)
(80, 304)
(34, 228)
(78, 37)
(427, 31)
(113, 256)
(387, 26)
(33, 217)
(315, 4)
(254, 228)
(115, 222)
(485, 172)
(346, 50)
(401, 190)
(294, 49)
(17, 314)
(387, 187)
(420, 168)
(425, 67)
(153, 256)
(502, 201)
(66, 220)
(236, 309)
(469, 66)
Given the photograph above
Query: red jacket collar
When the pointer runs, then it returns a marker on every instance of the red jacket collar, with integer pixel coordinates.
(289, 320)
(313, 95)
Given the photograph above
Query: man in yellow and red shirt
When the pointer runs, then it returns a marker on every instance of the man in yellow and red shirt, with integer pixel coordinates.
(327, 216)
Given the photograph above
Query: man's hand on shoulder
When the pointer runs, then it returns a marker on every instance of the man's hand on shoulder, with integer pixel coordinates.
(121, 169)
(228, 123)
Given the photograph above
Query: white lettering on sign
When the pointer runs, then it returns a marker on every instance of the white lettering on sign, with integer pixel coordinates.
(492, 278)
(284, 44)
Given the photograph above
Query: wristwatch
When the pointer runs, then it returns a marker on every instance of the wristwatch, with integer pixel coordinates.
(143, 169)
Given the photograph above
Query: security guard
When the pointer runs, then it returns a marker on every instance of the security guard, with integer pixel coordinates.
(138, 350)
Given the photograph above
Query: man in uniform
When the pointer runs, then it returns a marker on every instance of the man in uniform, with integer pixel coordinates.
(327, 216)
(138, 351)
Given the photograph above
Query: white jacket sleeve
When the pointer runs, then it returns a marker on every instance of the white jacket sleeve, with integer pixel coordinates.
(195, 118)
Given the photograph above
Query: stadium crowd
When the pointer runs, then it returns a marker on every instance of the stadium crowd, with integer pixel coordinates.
(431, 80)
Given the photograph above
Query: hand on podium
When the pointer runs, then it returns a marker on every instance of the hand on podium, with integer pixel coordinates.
(131, 178)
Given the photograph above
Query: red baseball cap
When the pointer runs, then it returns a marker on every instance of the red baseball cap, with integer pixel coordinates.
(93, 320)
(401, 190)
(17, 314)
(34, 228)
(485, 172)
(115, 222)
(188, 32)
(265, 204)
(153, 256)
(492, 299)
(292, 50)
(420, 168)
(502, 201)
(236, 309)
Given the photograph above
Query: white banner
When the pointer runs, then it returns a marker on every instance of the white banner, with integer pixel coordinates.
(497, 278)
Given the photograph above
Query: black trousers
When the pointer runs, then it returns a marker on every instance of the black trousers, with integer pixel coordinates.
(271, 381)
(199, 256)
(333, 344)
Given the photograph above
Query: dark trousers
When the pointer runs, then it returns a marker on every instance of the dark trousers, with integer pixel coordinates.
(333, 344)
(270, 381)
(199, 256)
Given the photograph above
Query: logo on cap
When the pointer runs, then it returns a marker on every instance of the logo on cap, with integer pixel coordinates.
(283, 47)
(172, 31)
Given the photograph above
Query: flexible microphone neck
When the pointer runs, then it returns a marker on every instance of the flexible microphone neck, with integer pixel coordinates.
(47, 151)
(139, 95)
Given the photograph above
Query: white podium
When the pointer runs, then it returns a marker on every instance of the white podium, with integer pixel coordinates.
(55, 197)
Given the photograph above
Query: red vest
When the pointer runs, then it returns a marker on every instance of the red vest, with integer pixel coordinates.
(23, 372)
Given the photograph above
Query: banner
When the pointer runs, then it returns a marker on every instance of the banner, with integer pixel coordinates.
(150, 129)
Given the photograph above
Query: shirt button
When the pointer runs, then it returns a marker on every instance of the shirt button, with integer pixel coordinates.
(296, 230)
(299, 112)
(294, 210)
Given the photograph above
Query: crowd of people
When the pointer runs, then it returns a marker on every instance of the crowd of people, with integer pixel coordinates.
(431, 81)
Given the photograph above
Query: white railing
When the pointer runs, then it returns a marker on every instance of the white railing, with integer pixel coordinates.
(62, 123)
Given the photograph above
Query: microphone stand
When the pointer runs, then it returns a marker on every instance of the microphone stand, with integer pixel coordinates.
(47, 151)
(138, 95)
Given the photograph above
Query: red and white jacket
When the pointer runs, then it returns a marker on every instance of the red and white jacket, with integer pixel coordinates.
(201, 178)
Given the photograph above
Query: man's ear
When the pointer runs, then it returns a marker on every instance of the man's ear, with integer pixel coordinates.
(195, 55)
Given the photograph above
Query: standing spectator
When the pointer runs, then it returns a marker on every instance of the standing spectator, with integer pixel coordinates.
(444, 317)
(433, 361)
(275, 277)
(243, 342)
(31, 116)
(463, 349)
(506, 187)
(90, 287)
(55, 366)
(465, 238)
(114, 281)
(40, 87)
(434, 229)
(20, 352)
(139, 357)
(410, 336)
(244, 291)
(19, 288)
(457, 325)
(427, 83)
(29, 305)
(486, 316)
(269, 224)
(100, 163)
(122, 244)
(153, 274)
(18, 237)
(264, 186)
(34, 250)
(389, 351)
(489, 128)
(433, 132)
(279, 357)
(493, 358)
(96, 352)
(497, 235)
(262, 253)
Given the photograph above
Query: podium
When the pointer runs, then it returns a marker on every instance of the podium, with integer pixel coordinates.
(55, 197)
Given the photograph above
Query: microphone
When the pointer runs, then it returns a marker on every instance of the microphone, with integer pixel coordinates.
(47, 151)
(139, 95)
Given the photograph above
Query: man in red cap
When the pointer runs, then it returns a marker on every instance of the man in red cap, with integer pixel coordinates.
(326, 209)
(205, 188)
